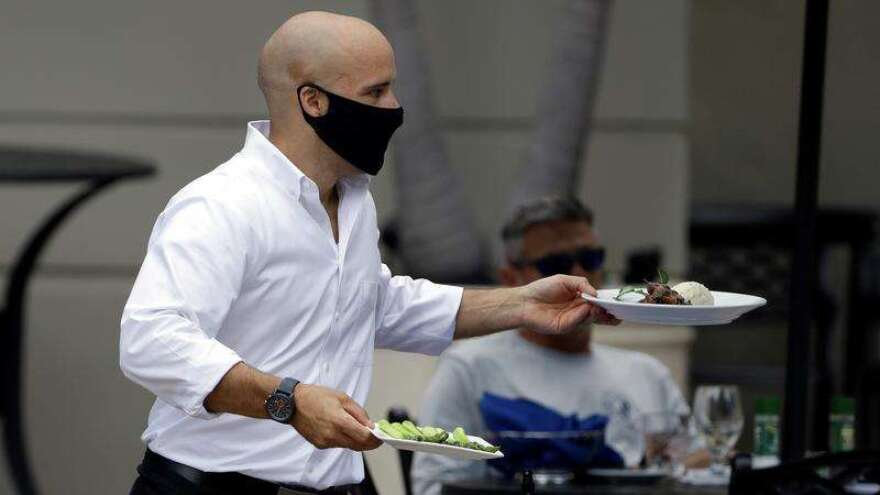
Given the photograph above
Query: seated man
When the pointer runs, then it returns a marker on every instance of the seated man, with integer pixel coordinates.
(566, 373)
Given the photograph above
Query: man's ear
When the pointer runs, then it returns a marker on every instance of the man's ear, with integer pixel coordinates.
(508, 276)
(312, 101)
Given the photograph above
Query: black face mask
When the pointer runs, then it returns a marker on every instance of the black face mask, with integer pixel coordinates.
(357, 132)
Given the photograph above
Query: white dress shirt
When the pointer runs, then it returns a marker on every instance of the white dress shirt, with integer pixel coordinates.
(242, 266)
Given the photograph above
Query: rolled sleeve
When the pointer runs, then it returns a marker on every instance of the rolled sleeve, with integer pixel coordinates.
(416, 315)
(215, 366)
(181, 368)
(191, 276)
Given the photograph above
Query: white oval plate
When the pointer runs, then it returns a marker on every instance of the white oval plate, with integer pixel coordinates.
(438, 448)
(728, 307)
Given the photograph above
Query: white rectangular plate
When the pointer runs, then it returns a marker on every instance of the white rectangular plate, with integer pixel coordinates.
(728, 307)
(438, 448)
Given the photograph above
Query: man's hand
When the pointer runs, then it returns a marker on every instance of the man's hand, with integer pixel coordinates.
(328, 418)
(325, 417)
(553, 305)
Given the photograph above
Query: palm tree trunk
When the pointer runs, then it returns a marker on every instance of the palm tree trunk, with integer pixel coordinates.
(437, 235)
(565, 103)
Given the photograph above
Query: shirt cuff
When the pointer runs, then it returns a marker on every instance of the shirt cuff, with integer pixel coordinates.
(220, 360)
(448, 301)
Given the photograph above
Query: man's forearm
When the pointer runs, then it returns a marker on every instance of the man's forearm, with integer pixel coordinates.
(325, 417)
(243, 391)
(485, 311)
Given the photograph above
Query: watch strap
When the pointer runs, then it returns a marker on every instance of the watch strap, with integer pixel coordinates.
(286, 386)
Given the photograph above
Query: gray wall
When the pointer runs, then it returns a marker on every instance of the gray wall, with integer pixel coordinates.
(174, 82)
(745, 79)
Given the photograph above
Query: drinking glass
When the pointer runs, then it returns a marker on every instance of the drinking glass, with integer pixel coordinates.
(719, 421)
(623, 433)
(667, 439)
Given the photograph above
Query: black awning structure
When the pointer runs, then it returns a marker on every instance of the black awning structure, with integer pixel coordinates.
(805, 275)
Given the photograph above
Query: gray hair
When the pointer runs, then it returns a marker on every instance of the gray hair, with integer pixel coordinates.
(542, 210)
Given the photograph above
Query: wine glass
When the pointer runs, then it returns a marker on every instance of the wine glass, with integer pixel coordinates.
(667, 439)
(719, 421)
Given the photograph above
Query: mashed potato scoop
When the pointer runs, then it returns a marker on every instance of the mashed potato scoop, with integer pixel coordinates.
(695, 293)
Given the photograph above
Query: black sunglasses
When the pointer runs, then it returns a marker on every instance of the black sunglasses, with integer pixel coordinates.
(590, 259)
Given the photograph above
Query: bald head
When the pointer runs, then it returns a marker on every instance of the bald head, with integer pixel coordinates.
(342, 54)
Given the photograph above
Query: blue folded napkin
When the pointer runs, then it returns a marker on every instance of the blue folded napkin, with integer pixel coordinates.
(502, 414)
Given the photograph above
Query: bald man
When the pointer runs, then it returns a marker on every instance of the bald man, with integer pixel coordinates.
(262, 295)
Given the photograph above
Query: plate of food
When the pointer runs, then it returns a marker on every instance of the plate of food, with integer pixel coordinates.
(433, 440)
(684, 304)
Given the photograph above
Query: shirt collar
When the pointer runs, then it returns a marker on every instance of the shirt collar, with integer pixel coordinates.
(283, 170)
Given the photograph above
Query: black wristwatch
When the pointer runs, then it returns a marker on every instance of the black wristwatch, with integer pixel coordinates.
(280, 404)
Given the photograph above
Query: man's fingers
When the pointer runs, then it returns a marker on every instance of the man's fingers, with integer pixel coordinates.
(600, 315)
(596, 314)
(359, 426)
(579, 285)
(368, 442)
(358, 436)
(611, 321)
(580, 314)
(358, 413)
(590, 290)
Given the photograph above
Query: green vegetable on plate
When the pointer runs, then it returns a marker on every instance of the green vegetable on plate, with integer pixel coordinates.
(431, 434)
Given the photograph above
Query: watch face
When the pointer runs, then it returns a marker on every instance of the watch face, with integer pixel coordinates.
(279, 408)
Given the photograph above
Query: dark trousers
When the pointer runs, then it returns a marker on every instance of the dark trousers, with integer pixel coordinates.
(153, 484)
(154, 478)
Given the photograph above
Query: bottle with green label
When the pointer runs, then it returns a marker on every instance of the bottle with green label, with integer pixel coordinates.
(767, 426)
(842, 427)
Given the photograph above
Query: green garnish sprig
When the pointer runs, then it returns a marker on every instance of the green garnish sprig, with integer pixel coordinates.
(630, 290)
(662, 277)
